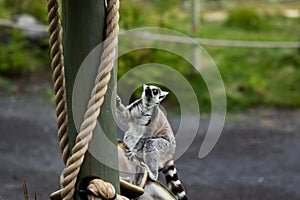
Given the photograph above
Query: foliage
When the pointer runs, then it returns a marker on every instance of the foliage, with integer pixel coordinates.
(245, 18)
(16, 56)
(37, 8)
(4, 12)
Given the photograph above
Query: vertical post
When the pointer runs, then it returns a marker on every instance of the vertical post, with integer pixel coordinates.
(84, 29)
(195, 11)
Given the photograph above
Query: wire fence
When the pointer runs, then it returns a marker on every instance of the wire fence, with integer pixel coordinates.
(175, 39)
(216, 42)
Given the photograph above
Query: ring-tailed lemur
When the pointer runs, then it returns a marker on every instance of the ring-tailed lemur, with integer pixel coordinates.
(150, 137)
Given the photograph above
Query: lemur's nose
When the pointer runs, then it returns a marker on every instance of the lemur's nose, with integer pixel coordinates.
(148, 92)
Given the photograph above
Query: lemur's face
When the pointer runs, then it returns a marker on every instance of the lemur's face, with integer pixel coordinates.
(153, 95)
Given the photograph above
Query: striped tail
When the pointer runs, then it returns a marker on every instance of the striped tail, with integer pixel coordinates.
(173, 181)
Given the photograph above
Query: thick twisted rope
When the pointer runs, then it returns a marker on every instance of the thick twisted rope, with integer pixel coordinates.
(103, 190)
(97, 97)
(57, 65)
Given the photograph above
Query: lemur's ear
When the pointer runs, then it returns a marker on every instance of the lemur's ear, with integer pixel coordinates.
(163, 95)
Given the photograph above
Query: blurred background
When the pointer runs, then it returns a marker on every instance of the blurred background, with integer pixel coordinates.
(253, 75)
(255, 45)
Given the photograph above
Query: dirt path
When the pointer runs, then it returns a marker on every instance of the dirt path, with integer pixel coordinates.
(255, 158)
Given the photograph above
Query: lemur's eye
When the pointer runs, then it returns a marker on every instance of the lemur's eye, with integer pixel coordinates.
(155, 91)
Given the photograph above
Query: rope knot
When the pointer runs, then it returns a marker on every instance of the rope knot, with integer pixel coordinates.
(102, 190)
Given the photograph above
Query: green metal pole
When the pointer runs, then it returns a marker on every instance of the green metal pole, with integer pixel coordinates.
(84, 29)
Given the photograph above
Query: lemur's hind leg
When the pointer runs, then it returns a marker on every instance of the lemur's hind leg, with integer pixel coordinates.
(155, 153)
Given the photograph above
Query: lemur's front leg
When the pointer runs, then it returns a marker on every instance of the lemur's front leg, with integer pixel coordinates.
(122, 111)
(130, 142)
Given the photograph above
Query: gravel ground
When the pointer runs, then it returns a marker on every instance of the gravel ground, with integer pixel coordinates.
(256, 156)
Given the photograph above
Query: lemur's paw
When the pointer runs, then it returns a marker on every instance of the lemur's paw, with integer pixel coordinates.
(130, 154)
(118, 100)
(145, 120)
(151, 176)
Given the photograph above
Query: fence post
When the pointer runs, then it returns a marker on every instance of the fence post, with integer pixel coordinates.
(83, 29)
(195, 12)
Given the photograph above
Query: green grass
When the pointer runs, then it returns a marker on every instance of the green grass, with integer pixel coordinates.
(259, 76)
(254, 76)
(276, 29)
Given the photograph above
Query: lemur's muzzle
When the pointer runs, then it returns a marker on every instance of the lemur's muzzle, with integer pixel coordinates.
(148, 92)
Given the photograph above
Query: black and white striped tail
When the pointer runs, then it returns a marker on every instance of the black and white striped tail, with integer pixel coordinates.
(173, 181)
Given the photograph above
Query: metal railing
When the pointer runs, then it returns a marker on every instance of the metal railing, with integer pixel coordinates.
(177, 39)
